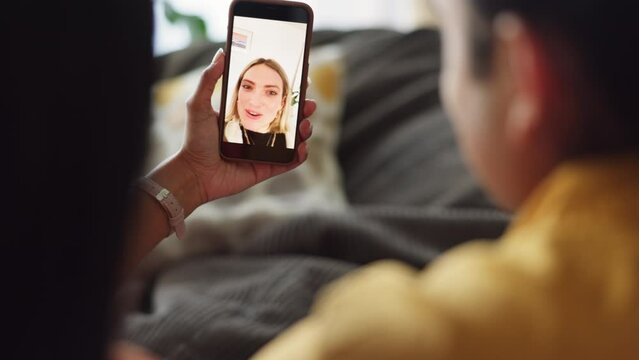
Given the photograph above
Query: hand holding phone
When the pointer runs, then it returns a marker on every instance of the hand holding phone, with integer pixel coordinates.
(265, 76)
(197, 173)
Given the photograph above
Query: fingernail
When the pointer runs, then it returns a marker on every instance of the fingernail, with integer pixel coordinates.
(219, 53)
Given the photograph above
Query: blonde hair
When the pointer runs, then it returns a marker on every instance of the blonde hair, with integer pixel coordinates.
(279, 123)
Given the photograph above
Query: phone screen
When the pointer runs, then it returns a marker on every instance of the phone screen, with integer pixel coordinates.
(267, 65)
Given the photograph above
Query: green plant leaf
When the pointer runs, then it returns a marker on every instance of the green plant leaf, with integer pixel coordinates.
(196, 25)
(295, 99)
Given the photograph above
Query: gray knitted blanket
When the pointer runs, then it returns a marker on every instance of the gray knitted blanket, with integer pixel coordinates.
(411, 200)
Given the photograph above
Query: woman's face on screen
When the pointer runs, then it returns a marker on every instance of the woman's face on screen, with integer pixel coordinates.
(260, 97)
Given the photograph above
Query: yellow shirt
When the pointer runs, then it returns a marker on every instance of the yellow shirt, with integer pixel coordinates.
(563, 283)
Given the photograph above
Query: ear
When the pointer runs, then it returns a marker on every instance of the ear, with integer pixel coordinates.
(528, 78)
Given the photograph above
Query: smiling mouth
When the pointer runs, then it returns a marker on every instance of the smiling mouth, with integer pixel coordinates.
(253, 115)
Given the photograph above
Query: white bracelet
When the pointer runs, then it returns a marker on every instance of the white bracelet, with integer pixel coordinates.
(169, 203)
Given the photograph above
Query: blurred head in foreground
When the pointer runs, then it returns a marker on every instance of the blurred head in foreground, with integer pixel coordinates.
(531, 84)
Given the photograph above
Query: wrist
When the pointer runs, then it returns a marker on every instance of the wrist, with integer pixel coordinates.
(177, 176)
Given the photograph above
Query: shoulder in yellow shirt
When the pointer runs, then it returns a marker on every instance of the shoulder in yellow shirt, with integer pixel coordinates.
(563, 283)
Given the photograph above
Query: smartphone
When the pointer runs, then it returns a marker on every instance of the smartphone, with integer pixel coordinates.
(265, 80)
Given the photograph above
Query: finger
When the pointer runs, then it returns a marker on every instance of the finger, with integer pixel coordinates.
(209, 79)
(306, 129)
(309, 107)
(302, 152)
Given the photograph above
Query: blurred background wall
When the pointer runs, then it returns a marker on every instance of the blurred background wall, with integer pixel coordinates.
(176, 21)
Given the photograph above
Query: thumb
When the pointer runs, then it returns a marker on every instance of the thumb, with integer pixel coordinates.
(209, 79)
